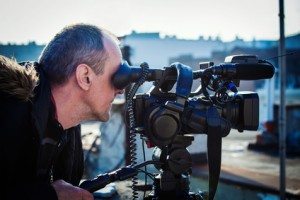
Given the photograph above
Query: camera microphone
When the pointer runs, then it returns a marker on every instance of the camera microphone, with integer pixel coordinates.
(261, 70)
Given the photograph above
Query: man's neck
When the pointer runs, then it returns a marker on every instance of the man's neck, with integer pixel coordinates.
(66, 104)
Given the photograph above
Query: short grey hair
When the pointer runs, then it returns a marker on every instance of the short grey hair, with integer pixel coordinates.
(74, 45)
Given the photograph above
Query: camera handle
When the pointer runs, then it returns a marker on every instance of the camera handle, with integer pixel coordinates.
(103, 179)
(118, 175)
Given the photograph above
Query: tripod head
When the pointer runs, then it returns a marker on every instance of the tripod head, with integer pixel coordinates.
(167, 119)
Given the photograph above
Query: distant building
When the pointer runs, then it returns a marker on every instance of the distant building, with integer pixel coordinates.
(263, 49)
(22, 52)
(157, 50)
(189, 60)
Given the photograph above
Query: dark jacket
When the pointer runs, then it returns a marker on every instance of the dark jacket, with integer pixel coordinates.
(28, 163)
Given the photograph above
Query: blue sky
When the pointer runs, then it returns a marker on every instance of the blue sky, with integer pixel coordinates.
(26, 20)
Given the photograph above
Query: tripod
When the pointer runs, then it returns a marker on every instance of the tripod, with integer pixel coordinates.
(173, 181)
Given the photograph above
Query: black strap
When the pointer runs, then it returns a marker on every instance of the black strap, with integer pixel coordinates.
(214, 145)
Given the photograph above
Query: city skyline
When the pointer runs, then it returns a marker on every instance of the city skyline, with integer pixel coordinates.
(164, 37)
(33, 20)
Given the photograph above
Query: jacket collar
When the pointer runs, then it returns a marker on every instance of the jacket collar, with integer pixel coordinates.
(41, 103)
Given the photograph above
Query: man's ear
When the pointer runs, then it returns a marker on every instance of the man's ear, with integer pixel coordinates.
(83, 75)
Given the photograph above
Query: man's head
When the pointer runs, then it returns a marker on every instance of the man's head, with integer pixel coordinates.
(72, 46)
(83, 58)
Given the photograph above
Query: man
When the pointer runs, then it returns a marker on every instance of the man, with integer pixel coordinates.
(42, 106)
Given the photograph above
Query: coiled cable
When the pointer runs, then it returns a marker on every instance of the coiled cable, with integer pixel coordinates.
(132, 124)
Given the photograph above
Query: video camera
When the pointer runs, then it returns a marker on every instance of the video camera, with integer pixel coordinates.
(167, 119)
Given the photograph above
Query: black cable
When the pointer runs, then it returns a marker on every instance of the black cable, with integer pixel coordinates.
(205, 82)
(144, 155)
(148, 162)
(132, 126)
(197, 92)
(287, 54)
(151, 176)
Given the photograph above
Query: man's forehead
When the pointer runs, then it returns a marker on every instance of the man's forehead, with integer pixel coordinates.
(111, 47)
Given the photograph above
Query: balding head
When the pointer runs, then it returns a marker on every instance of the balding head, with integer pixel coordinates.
(74, 45)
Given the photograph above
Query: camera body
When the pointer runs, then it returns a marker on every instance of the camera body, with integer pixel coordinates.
(160, 120)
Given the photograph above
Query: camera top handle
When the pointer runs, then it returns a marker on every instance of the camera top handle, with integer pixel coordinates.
(241, 71)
